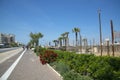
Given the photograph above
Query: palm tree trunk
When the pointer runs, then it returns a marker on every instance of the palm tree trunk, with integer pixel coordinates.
(80, 42)
(76, 40)
(60, 43)
(65, 43)
(37, 42)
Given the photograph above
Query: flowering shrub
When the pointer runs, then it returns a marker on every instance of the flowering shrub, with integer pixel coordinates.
(48, 57)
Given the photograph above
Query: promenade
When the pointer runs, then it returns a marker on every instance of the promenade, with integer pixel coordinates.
(30, 68)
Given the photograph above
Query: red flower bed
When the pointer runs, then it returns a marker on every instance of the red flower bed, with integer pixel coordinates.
(48, 57)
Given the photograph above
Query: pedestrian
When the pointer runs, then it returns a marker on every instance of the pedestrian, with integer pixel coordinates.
(27, 47)
(23, 47)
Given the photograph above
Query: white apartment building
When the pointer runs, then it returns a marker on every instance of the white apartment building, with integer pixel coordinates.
(6, 39)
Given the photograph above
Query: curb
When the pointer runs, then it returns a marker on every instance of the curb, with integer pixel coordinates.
(55, 71)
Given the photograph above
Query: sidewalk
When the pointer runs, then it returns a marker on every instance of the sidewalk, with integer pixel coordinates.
(30, 68)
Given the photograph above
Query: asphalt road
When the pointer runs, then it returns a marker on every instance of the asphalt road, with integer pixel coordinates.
(7, 49)
(6, 64)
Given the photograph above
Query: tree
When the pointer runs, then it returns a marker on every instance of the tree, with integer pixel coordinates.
(56, 42)
(63, 36)
(31, 43)
(76, 30)
(35, 38)
(85, 44)
(80, 42)
(60, 41)
(13, 44)
(66, 41)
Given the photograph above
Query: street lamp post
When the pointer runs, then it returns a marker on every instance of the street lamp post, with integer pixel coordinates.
(100, 30)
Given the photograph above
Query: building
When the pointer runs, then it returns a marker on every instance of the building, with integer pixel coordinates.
(6, 39)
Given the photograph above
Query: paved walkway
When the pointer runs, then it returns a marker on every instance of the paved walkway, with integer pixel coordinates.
(30, 68)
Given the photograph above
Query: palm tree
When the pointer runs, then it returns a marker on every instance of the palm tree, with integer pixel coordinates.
(56, 42)
(85, 44)
(31, 43)
(66, 39)
(35, 38)
(76, 30)
(80, 42)
(60, 41)
(39, 35)
(67, 42)
(63, 36)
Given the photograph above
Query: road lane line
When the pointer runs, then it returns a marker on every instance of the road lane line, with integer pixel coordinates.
(9, 71)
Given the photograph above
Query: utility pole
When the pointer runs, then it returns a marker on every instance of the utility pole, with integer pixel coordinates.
(112, 33)
(99, 15)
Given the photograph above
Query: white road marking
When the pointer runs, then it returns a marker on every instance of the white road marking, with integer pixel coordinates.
(9, 71)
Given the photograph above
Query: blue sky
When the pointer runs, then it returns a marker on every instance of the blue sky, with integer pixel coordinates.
(54, 17)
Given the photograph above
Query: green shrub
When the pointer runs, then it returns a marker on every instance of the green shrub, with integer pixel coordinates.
(39, 50)
(72, 75)
(13, 44)
(97, 67)
(82, 63)
(62, 67)
(100, 70)
(115, 64)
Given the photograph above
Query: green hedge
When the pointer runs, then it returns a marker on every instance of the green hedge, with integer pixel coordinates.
(72, 75)
(39, 50)
(96, 67)
(74, 66)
